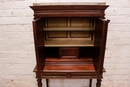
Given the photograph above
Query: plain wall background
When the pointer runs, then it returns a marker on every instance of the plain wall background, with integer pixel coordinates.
(17, 55)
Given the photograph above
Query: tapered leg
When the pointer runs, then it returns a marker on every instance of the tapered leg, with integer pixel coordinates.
(39, 82)
(98, 83)
(90, 83)
(47, 85)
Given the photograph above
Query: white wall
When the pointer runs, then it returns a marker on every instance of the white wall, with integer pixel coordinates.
(17, 55)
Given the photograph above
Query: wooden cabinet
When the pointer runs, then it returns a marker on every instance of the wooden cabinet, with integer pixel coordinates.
(69, 41)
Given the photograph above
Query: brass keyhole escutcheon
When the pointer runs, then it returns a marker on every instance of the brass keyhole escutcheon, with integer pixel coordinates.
(69, 75)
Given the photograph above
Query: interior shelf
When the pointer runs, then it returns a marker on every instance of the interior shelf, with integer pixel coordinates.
(68, 43)
(68, 29)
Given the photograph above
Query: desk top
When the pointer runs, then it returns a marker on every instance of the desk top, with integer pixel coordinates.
(69, 3)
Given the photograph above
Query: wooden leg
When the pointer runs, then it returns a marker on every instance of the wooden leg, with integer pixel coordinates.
(47, 83)
(98, 83)
(90, 83)
(39, 82)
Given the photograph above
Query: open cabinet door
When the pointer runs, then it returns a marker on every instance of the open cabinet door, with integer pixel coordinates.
(100, 44)
(39, 42)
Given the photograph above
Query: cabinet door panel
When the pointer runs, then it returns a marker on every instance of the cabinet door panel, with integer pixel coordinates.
(100, 43)
(38, 39)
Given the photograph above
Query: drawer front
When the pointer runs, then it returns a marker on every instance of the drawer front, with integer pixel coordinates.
(68, 52)
(53, 75)
(84, 75)
(68, 75)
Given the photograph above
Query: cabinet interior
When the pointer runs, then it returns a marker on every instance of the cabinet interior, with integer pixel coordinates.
(67, 42)
(68, 32)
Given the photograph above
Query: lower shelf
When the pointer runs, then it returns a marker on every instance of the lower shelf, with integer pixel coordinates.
(55, 68)
(69, 68)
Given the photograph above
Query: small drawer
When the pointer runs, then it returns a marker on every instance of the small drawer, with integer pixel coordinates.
(69, 52)
(53, 75)
(83, 75)
(56, 75)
